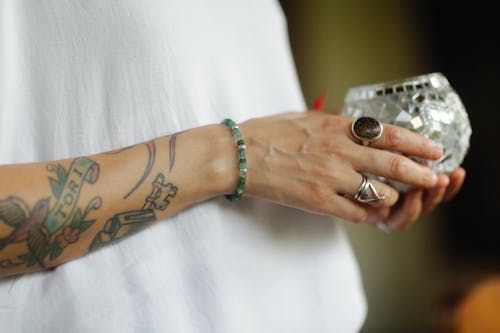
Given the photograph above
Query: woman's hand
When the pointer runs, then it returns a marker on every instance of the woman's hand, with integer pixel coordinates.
(311, 161)
(418, 201)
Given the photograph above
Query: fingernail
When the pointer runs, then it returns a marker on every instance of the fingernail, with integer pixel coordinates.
(320, 101)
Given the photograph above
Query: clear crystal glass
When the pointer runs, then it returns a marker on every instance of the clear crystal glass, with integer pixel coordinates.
(425, 104)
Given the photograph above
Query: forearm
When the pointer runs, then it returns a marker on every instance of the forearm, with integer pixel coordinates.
(56, 211)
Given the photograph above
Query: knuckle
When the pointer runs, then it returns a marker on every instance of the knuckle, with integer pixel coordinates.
(395, 137)
(424, 147)
(397, 167)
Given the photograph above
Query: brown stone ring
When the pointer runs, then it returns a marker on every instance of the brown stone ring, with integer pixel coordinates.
(366, 129)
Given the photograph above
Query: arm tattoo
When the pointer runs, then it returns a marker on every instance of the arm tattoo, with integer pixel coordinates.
(151, 159)
(57, 221)
(47, 231)
(172, 141)
(150, 145)
(125, 223)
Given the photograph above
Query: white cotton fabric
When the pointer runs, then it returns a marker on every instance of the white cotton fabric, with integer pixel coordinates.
(85, 76)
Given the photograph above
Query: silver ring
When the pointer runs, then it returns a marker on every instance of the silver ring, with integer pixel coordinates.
(367, 193)
(367, 129)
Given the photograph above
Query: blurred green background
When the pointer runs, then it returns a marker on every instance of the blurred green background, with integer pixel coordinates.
(408, 277)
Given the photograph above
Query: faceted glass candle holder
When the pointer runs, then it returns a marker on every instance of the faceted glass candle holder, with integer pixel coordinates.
(425, 104)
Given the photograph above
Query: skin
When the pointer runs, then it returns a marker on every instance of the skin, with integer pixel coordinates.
(306, 160)
(416, 202)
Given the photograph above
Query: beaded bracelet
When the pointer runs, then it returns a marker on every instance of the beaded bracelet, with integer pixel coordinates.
(242, 158)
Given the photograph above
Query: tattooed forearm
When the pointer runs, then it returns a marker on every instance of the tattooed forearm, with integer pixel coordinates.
(151, 148)
(125, 223)
(48, 231)
(67, 187)
(54, 212)
(121, 225)
(151, 159)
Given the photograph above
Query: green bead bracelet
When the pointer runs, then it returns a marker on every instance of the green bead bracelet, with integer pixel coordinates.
(242, 158)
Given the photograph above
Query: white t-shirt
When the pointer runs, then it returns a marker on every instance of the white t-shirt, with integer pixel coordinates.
(85, 76)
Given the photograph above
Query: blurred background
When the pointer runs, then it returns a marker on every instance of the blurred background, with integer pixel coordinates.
(415, 280)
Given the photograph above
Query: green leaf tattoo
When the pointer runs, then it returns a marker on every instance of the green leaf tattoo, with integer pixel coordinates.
(57, 185)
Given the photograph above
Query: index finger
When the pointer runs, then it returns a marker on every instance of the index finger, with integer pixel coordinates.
(405, 141)
(402, 140)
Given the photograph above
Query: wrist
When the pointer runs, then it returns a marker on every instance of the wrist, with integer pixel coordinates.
(219, 162)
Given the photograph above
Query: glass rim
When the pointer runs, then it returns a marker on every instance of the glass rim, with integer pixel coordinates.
(410, 84)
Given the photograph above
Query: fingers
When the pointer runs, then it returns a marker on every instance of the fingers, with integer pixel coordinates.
(393, 166)
(404, 141)
(457, 179)
(383, 162)
(416, 202)
(302, 155)
(434, 195)
(393, 137)
(404, 216)
(348, 210)
(390, 195)
(408, 142)
(348, 183)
